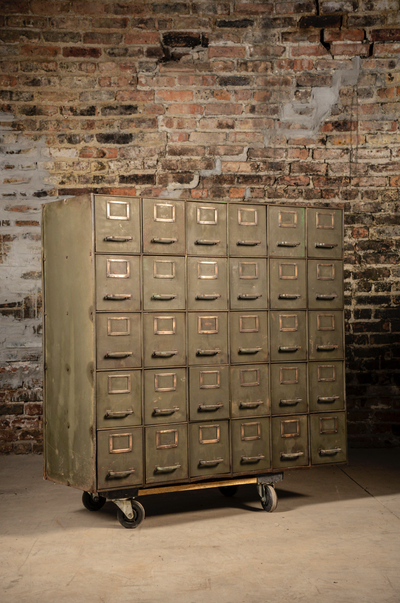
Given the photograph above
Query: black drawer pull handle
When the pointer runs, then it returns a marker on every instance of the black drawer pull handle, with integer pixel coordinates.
(167, 354)
(169, 469)
(163, 296)
(118, 354)
(327, 348)
(289, 295)
(331, 452)
(118, 239)
(120, 474)
(291, 456)
(324, 399)
(164, 411)
(288, 244)
(252, 459)
(117, 296)
(248, 243)
(249, 350)
(163, 241)
(207, 352)
(293, 402)
(251, 404)
(325, 245)
(209, 407)
(212, 463)
(289, 348)
(118, 414)
(208, 296)
(207, 242)
(249, 295)
(326, 296)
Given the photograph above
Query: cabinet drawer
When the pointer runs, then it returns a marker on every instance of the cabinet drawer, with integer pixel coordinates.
(288, 388)
(324, 233)
(206, 229)
(247, 230)
(119, 398)
(164, 339)
(165, 399)
(328, 438)
(118, 341)
(249, 390)
(119, 458)
(286, 231)
(163, 227)
(250, 445)
(248, 284)
(118, 283)
(249, 337)
(207, 284)
(325, 335)
(209, 448)
(164, 285)
(289, 441)
(166, 453)
(117, 224)
(326, 386)
(288, 284)
(208, 338)
(288, 335)
(325, 284)
(209, 393)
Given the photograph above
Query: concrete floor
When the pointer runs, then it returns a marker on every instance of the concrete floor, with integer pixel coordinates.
(335, 537)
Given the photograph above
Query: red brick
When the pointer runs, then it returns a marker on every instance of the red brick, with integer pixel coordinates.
(294, 180)
(347, 35)
(148, 37)
(47, 7)
(135, 95)
(386, 92)
(356, 49)
(295, 64)
(312, 50)
(223, 109)
(265, 8)
(237, 193)
(223, 95)
(73, 51)
(226, 51)
(384, 35)
(360, 233)
(386, 50)
(8, 81)
(175, 95)
(190, 109)
(274, 81)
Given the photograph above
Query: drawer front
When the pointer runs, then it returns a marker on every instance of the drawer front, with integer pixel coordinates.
(118, 341)
(326, 386)
(209, 449)
(249, 391)
(286, 231)
(208, 338)
(163, 227)
(164, 339)
(165, 397)
(207, 284)
(117, 224)
(206, 229)
(250, 445)
(325, 284)
(119, 458)
(119, 399)
(249, 337)
(118, 283)
(248, 284)
(289, 442)
(325, 335)
(209, 393)
(288, 388)
(166, 453)
(288, 284)
(328, 438)
(288, 335)
(247, 230)
(324, 233)
(164, 283)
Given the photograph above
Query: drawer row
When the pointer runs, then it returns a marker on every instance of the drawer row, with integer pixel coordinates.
(172, 227)
(207, 393)
(130, 283)
(132, 457)
(199, 338)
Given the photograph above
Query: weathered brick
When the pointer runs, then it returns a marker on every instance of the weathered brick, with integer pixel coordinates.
(227, 51)
(185, 40)
(344, 35)
(321, 22)
(73, 51)
(355, 49)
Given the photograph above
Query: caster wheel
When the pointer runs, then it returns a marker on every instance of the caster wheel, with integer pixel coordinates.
(269, 501)
(138, 516)
(228, 490)
(93, 502)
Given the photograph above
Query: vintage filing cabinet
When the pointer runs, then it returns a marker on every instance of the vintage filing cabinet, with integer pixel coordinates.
(190, 343)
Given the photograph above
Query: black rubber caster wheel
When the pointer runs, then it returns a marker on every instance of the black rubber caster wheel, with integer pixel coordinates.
(228, 490)
(138, 516)
(93, 502)
(269, 501)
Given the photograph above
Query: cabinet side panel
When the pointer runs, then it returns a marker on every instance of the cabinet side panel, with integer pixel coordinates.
(69, 431)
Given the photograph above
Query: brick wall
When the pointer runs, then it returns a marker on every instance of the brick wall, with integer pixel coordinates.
(250, 100)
